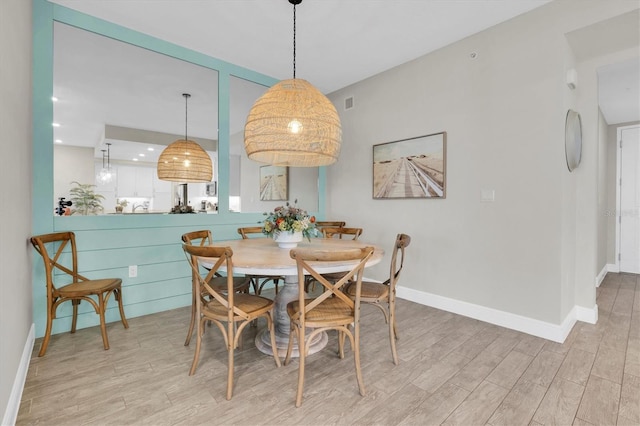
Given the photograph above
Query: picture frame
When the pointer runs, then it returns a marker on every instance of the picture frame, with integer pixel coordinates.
(274, 183)
(411, 168)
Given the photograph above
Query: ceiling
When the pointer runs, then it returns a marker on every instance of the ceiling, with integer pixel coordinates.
(339, 42)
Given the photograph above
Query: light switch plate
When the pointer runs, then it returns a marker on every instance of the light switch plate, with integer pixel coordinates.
(487, 195)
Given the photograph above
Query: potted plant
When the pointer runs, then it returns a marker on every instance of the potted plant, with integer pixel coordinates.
(85, 200)
(120, 205)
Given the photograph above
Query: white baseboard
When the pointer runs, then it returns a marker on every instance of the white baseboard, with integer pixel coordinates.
(612, 267)
(601, 275)
(586, 314)
(13, 405)
(549, 331)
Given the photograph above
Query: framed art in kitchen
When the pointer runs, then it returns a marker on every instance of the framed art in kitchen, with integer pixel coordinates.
(274, 183)
(411, 168)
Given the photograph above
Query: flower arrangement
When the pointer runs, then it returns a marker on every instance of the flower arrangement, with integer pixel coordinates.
(290, 219)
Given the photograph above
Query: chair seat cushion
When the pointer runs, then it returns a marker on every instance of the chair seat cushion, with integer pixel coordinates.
(220, 283)
(89, 287)
(249, 303)
(329, 311)
(334, 276)
(369, 291)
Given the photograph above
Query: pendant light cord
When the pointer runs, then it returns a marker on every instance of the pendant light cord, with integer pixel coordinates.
(294, 40)
(108, 157)
(186, 97)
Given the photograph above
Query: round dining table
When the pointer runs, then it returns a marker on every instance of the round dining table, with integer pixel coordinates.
(262, 256)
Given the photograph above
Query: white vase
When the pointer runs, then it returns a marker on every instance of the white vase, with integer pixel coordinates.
(287, 240)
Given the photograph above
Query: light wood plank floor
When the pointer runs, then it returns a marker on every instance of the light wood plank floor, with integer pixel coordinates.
(453, 370)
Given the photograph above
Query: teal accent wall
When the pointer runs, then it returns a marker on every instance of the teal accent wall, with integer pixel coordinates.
(108, 244)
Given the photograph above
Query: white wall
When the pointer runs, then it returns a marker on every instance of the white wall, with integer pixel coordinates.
(588, 221)
(71, 163)
(568, 204)
(16, 314)
(303, 184)
(527, 253)
(603, 163)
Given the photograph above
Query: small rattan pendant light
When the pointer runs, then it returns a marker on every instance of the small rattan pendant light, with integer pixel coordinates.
(185, 160)
(293, 123)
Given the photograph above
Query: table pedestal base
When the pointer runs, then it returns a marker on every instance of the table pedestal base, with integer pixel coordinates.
(263, 343)
(286, 294)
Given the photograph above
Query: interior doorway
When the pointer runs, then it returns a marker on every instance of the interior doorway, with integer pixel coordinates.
(628, 205)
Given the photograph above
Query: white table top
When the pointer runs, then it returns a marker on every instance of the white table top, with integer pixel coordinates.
(262, 256)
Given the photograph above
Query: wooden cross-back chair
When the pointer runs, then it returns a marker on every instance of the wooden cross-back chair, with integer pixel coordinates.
(80, 288)
(228, 310)
(329, 224)
(258, 281)
(240, 284)
(383, 295)
(342, 233)
(331, 310)
(338, 233)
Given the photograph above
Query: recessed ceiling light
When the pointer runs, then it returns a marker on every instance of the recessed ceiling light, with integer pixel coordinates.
(135, 159)
(54, 99)
(140, 155)
(58, 141)
(55, 124)
(150, 149)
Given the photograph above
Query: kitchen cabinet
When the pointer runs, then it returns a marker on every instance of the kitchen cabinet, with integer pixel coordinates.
(160, 185)
(198, 190)
(162, 194)
(135, 182)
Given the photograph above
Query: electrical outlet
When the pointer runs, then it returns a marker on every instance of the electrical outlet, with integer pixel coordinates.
(133, 271)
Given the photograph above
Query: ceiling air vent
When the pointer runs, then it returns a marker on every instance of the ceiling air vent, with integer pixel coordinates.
(348, 103)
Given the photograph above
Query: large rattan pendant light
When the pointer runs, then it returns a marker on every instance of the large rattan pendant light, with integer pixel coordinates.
(293, 123)
(185, 160)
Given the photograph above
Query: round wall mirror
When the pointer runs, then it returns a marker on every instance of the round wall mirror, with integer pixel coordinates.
(573, 139)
